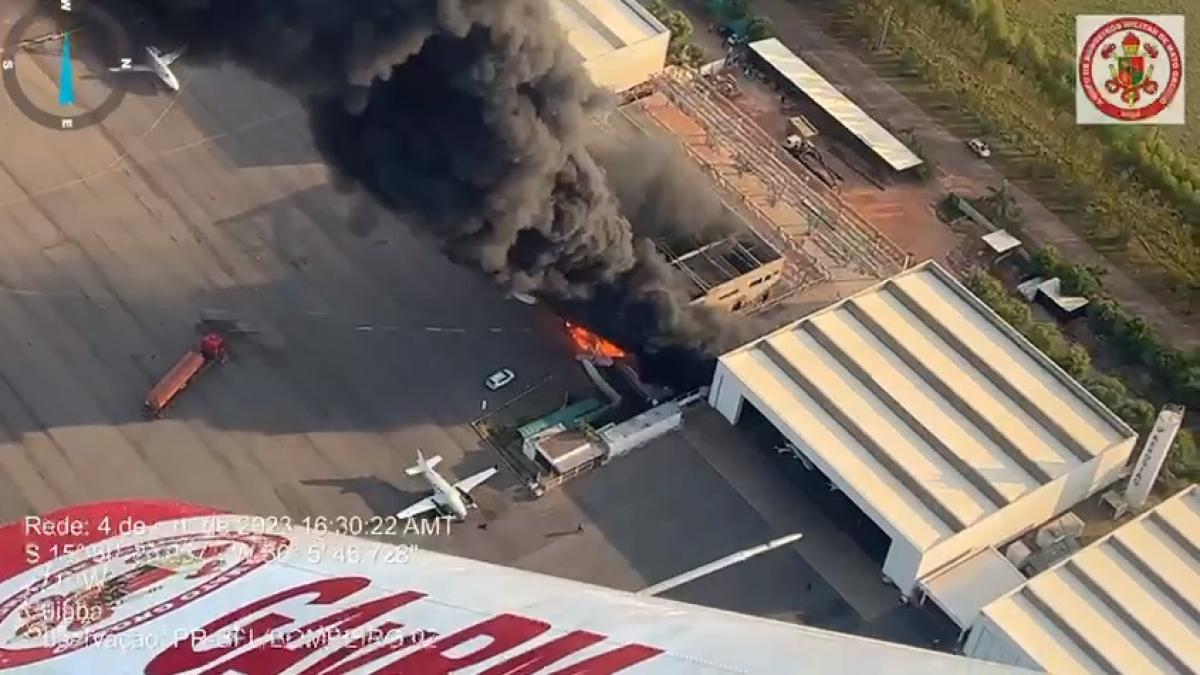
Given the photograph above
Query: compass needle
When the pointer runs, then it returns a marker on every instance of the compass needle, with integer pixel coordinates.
(66, 76)
(106, 37)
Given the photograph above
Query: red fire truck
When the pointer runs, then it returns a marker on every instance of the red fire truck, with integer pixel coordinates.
(212, 349)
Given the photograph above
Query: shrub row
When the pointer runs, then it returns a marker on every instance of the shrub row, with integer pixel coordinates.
(1155, 163)
(1174, 371)
(1183, 464)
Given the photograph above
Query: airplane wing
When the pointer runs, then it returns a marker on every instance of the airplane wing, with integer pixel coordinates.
(451, 610)
(168, 59)
(468, 484)
(132, 69)
(423, 506)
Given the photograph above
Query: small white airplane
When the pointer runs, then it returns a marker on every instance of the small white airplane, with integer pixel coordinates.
(159, 64)
(451, 500)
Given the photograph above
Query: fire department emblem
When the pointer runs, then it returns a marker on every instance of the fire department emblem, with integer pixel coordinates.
(1130, 70)
(114, 591)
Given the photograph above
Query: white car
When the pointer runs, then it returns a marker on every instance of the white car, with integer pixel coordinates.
(979, 148)
(500, 379)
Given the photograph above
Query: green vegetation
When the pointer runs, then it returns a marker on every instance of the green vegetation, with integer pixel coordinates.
(1183, 464)
(680, 51)
(1132, 193)
(759, 28)
(736, 15)
(1175, 373)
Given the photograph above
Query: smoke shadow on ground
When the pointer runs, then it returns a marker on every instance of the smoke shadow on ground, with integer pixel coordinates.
(371, 334)
(666, 511)
(252, 123)
(225, 104)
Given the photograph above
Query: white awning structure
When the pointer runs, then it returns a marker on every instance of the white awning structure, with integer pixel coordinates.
(835, 103)
(1052, 289)
(1001, 241)
(963, 589)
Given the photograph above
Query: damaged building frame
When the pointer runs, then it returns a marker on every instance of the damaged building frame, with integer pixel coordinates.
(734, 273)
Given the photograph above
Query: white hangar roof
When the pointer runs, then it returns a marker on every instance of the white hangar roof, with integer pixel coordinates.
(834, 102)
(1129, 603)
(933, 407)
(597, 27)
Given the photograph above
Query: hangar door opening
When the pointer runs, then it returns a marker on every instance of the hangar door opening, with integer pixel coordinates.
(815, 485)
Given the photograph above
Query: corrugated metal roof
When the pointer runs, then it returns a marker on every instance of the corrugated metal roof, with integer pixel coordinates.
(963, 589)
(1129, 603)
(834, 102)
(597, 27)
(927, 401)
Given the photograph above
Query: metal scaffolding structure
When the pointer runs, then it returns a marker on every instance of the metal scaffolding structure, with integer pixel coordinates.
(801, 270)
(835, 236)
(726, 259)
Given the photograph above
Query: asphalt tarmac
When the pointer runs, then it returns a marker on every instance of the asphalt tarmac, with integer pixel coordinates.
(116, 238)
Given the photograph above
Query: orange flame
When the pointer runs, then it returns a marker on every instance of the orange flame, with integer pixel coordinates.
(590, 344)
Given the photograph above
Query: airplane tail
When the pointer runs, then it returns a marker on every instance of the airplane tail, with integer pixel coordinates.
(422, 464)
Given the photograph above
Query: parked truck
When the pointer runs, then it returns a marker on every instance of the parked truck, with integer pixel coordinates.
(211, 349)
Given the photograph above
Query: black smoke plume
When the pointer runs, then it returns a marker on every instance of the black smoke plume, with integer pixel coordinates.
(469, 118)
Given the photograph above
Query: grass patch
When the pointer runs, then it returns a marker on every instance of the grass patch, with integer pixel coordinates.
(1070, 168)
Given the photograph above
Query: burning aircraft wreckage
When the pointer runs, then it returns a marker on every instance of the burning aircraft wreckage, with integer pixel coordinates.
(469, 119)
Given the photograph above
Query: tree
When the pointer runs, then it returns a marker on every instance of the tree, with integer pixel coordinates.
(1045, 337)
(1007, 212)
(1046, 261)
(969, 9)
(735, 10)
(679, 25)
(1015, 312)
(1078, 280)
(1135, 337)
(691, 56)
(679, 50)
(759, 28)
(1104, 315)
(1109, 390)
(994, 20)
(1076, 360)
(1138, 413)
(1030, 54)
(1184, 461)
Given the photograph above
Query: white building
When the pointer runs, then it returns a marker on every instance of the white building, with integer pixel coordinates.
(622, 45)
(937, 419)
(1128, 604)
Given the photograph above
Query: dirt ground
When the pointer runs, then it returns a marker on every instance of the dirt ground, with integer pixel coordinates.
(903, 210)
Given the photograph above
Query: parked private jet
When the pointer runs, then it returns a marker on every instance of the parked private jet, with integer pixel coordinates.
(452, 500)
(159, 64)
